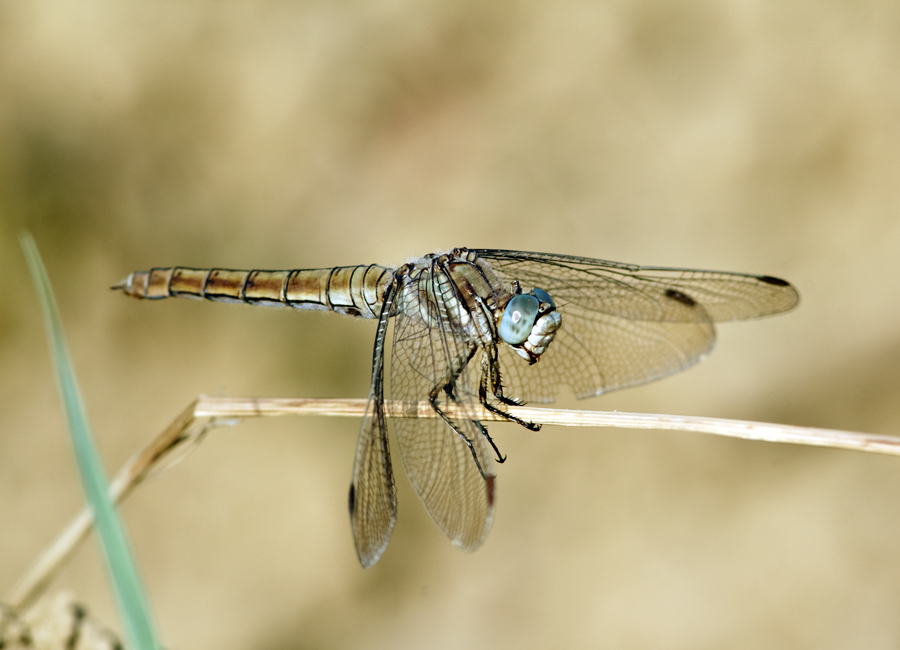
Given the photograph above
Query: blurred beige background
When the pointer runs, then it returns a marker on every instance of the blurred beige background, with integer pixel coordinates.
(748, 136)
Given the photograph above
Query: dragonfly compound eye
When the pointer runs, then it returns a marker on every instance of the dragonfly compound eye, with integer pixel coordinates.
(544, 297)
(518, 319)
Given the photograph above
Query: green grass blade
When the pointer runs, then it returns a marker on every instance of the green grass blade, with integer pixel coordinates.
(129, 593)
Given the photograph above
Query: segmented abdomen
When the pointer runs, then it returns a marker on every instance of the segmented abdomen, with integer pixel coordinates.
(352, 290)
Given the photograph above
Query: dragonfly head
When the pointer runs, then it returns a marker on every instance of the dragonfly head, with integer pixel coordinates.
(529, 323)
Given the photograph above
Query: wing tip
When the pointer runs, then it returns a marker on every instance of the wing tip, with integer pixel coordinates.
(771, 279)
(789, 293)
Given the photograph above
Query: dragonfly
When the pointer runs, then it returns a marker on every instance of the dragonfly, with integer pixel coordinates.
(484, 329)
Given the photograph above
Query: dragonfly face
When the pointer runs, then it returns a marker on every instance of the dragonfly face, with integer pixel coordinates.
(529, 323)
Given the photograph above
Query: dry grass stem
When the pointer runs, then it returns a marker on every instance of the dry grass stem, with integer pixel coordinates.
(226, 407)
(207, 412)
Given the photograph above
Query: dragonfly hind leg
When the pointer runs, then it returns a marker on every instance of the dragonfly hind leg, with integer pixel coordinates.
(448, 386)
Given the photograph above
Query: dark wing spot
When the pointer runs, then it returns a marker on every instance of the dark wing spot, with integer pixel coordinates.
(681, 297)
(778, 282)
(490, 489)
(352, 498)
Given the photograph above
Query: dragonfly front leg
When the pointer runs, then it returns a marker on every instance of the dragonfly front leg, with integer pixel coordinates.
(491, 382)
(447, 385)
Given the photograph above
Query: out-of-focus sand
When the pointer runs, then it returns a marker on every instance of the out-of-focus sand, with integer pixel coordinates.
(760, 137)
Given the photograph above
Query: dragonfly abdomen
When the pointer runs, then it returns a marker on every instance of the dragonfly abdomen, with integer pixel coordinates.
(353, 290)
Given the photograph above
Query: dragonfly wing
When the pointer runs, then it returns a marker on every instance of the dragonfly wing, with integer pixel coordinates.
(649, 293)
(439, 462)
(624, 325)
(373, 495)
(594, 354)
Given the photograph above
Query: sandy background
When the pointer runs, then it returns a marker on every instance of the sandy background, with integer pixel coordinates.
(750, 136)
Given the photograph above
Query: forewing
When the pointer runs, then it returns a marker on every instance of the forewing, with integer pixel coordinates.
(624, 325)
(439, 463)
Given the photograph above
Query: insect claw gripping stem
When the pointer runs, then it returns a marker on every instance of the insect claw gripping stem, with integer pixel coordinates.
(498, 393)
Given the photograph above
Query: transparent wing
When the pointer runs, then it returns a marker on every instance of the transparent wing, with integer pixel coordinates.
(624, 325)
(437, 361)
(373, 495)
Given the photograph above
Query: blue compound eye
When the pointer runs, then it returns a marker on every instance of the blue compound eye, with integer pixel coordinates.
(543, 296)
(518, 318)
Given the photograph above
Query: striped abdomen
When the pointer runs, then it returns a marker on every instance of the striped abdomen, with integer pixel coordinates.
(352, 290)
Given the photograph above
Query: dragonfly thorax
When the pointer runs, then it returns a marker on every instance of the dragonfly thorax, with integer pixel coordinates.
(529, 323)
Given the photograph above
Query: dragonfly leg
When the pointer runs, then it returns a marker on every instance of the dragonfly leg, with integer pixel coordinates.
(491, 383)
(448, 386)
(433, 399)
(500, 458)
